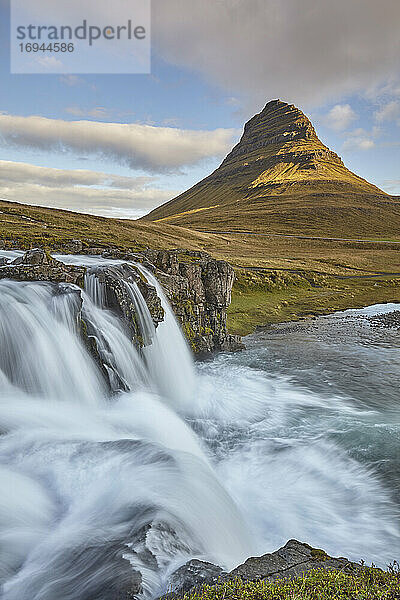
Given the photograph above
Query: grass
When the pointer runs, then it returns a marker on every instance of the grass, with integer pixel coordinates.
(295, 277)
(262, 298)
(364, 584)
(25, 226)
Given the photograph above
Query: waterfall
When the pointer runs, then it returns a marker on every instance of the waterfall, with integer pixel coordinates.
(100, 481)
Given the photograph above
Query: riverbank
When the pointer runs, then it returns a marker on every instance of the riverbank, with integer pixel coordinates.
(264, 297)
(295, 571)
(369, 584)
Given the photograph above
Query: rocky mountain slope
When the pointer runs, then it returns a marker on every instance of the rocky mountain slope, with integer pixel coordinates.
(281, 178)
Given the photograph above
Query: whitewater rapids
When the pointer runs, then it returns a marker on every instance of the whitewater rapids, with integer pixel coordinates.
(219, 462)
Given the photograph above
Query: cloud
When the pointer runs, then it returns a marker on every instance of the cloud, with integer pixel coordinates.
(392, 185)
(153, 149)
(388, 112)
(303, 52)
(358, 143)
(74, 80)
(49, 62)
(81, 190)
(103, 113)
(340, 117)
(71, 80)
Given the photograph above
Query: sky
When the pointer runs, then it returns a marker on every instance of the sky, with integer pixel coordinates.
(119, 145)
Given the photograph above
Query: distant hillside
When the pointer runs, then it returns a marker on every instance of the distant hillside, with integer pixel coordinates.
(281, 178)
(24, 226)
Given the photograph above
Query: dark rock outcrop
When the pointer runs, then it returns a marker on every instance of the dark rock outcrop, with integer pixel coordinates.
(199, 290)
(38, 265)
(194, 573)
(290, 561)
(115, 280)
(197, 286)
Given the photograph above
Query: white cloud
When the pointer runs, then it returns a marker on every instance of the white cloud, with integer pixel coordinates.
(71, 80)
(340, 117)
(153, 149)
(388, 112)
(81, 190)
(358, 143)
(49, 62)
(301, 51)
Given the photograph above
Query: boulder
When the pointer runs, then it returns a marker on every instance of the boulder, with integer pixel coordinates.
(292, 560)
(194, 573)
(38, 265)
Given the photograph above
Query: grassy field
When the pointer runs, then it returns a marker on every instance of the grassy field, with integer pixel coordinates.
(261, 298)
(367, 584)
(278, 278)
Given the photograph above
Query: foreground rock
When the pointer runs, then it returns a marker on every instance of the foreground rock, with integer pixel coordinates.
(38, 265)
(199, 290)
(194, 574)
(197, 286)
(292, 560)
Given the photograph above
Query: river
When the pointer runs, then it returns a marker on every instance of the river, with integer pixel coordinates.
(295, 437)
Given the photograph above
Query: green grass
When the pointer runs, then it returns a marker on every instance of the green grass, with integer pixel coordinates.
(263, 298)
(301, 276)
(364, 584)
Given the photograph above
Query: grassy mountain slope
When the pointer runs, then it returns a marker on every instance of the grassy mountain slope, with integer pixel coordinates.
(35, 225)
(281, 178)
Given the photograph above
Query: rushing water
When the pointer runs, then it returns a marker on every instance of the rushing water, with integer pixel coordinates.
(298, 436)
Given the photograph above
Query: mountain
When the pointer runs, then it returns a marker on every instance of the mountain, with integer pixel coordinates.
(281, 178)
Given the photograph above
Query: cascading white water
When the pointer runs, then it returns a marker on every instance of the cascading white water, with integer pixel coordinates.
(169, 355)
(303, 431)
(87, 477)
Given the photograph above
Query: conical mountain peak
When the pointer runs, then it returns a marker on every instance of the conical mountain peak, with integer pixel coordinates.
(278, 162)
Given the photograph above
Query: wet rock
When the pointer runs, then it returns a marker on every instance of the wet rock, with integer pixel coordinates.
(290, 561)
(294, 559)
(38, 265)
(194, 573)
(116, 280)
(199, 290)
(197, 286)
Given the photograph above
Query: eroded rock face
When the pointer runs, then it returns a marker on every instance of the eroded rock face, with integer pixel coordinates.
(199, 290)
(292, 560)
(116, 280)
(197, 286)
(194, 573)
(37, 265)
